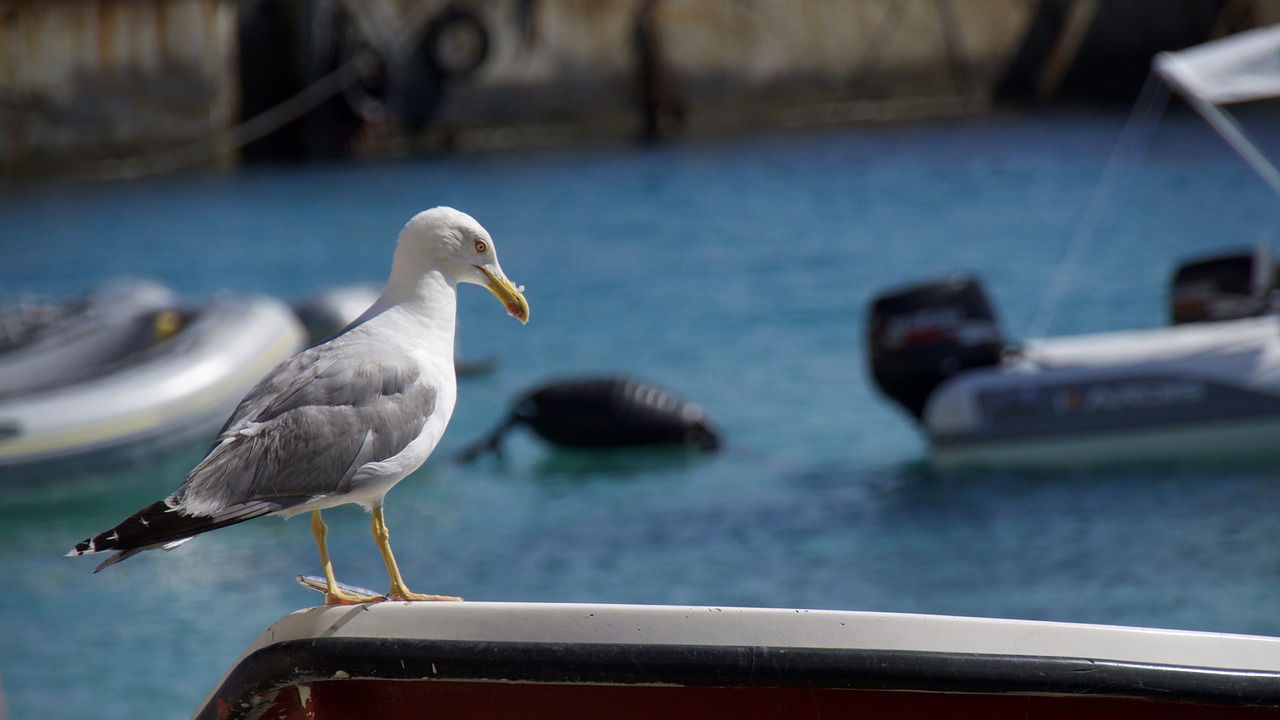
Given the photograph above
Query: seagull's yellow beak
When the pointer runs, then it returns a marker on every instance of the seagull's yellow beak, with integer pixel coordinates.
(510, 295)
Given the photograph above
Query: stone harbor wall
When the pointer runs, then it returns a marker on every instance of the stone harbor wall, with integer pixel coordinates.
(121, 87)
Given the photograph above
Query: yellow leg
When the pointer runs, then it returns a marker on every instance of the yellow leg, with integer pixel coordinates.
(398, 589)
(333, 595)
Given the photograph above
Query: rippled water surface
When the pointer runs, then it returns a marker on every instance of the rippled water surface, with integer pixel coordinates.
(734, 272)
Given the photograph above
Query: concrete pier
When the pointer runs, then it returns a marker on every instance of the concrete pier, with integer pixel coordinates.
(123, 87)
(106, 80)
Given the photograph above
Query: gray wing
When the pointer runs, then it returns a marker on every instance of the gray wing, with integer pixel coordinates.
(307, 427)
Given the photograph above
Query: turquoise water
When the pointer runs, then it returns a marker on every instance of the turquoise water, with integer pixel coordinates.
(735, 272)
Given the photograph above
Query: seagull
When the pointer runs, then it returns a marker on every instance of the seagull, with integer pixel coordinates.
(344, 420)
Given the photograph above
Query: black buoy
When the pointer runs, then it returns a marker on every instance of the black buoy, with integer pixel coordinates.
(608, 412)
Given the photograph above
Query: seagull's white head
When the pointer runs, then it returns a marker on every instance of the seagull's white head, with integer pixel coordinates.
(454, 244)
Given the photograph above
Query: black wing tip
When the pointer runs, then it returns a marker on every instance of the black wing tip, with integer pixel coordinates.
(162, 525)
(118, 537)
(95, 544)
(89, 547)
(115, 558)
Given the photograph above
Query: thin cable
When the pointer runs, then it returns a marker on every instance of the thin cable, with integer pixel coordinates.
(1137, 132)
(259, 126)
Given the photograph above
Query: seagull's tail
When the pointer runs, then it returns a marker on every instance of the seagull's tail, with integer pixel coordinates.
(163, 525)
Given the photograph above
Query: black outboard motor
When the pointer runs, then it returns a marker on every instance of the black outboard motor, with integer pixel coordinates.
(1222, 287)
(926, 333)
(607, 412)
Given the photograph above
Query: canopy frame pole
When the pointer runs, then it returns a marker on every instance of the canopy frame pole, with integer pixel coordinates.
(1225, 125)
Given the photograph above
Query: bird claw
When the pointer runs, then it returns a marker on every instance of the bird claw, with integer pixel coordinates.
(341, 593)
(350, 599)
(344, 594)
(407, 596)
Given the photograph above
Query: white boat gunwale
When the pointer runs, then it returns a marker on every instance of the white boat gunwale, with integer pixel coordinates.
(655, 646)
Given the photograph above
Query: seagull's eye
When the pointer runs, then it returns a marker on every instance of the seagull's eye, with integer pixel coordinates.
(481, 246)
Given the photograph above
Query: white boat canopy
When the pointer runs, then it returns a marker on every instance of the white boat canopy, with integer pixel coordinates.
(1238, 68)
